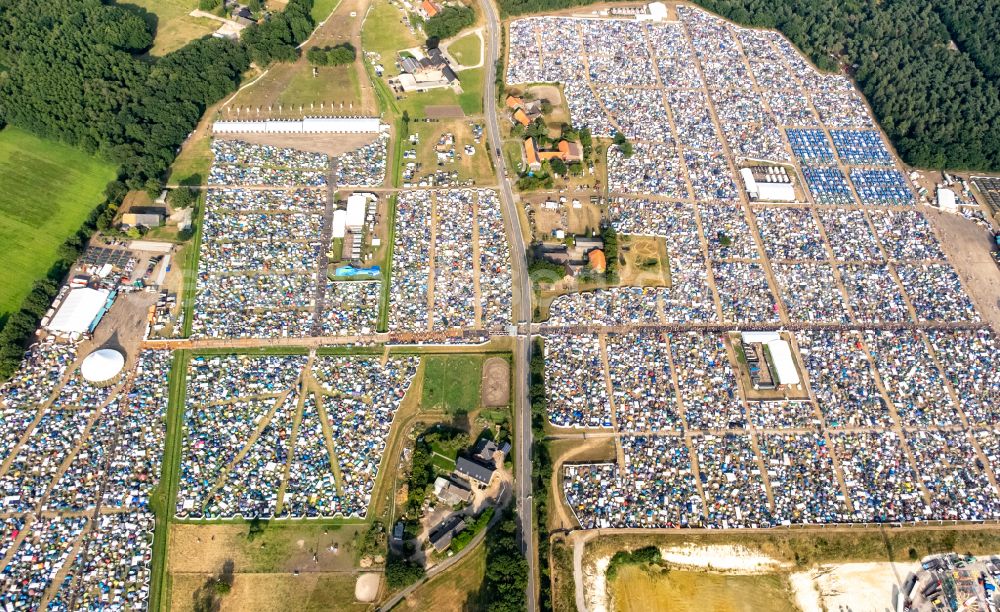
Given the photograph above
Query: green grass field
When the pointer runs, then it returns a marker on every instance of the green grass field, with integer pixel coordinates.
(467, 50)
(175, 27)
(48, 190)
(322, 8)
(385, 34)
(452, 382)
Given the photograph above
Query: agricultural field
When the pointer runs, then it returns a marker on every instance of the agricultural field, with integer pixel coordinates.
(638, 588)
(48, 189)
(175, 27)
(452, 382)
(455, 589)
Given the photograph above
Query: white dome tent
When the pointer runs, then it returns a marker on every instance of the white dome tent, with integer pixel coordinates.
(102, 366)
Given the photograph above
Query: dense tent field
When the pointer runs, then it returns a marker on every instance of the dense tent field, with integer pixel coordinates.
(47, 189)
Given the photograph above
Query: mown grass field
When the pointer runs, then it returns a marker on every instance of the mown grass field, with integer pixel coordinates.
(639, 589)
(452, 382)
(48, 189)
(385, 33)
(455, 589)
(467, 50)
(175, 27)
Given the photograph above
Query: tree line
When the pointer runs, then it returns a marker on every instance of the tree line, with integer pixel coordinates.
(929, 68)
(450, 21)
(74, 71)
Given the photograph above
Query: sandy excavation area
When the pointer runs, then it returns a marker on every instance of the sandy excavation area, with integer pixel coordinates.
(858, 587)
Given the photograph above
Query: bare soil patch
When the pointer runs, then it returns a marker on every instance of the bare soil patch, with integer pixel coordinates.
(331, 144)
(367, 587)
(444, 111)
(968, 248)
(496, 382)
(272, 592)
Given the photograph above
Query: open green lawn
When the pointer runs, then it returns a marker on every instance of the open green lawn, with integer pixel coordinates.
(452, 382)
(471, 98)
(336, 86)
(322, 8)
(385, 33)
(48, 190)
(467, 50)
(174, 26)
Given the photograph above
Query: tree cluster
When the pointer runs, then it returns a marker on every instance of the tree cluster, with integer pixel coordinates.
(339, 55)
(929, 68)
(278, 38)
(401, 572)
(74, 75)
(505, 581)
(623, 144)
(541, 467)
(640, 556)
(450, 21)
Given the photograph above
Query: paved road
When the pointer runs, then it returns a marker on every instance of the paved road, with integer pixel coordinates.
(522, 407)
(391, 603)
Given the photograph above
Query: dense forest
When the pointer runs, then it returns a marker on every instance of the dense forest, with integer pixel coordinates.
(930, 69)
(74, 71)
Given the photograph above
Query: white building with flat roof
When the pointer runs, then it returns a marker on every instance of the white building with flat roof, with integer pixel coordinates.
(339, 223)
(78, 311)
(356, 206)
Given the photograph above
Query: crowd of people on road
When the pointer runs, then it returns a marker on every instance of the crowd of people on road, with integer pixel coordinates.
(436, 282)
(240, 448)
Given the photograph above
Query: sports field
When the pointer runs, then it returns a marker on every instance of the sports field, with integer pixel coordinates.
(175, 27)
(48, 190)
(451, 382)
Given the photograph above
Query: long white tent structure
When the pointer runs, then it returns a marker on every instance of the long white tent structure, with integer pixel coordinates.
(309, 125)
(78, 311)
